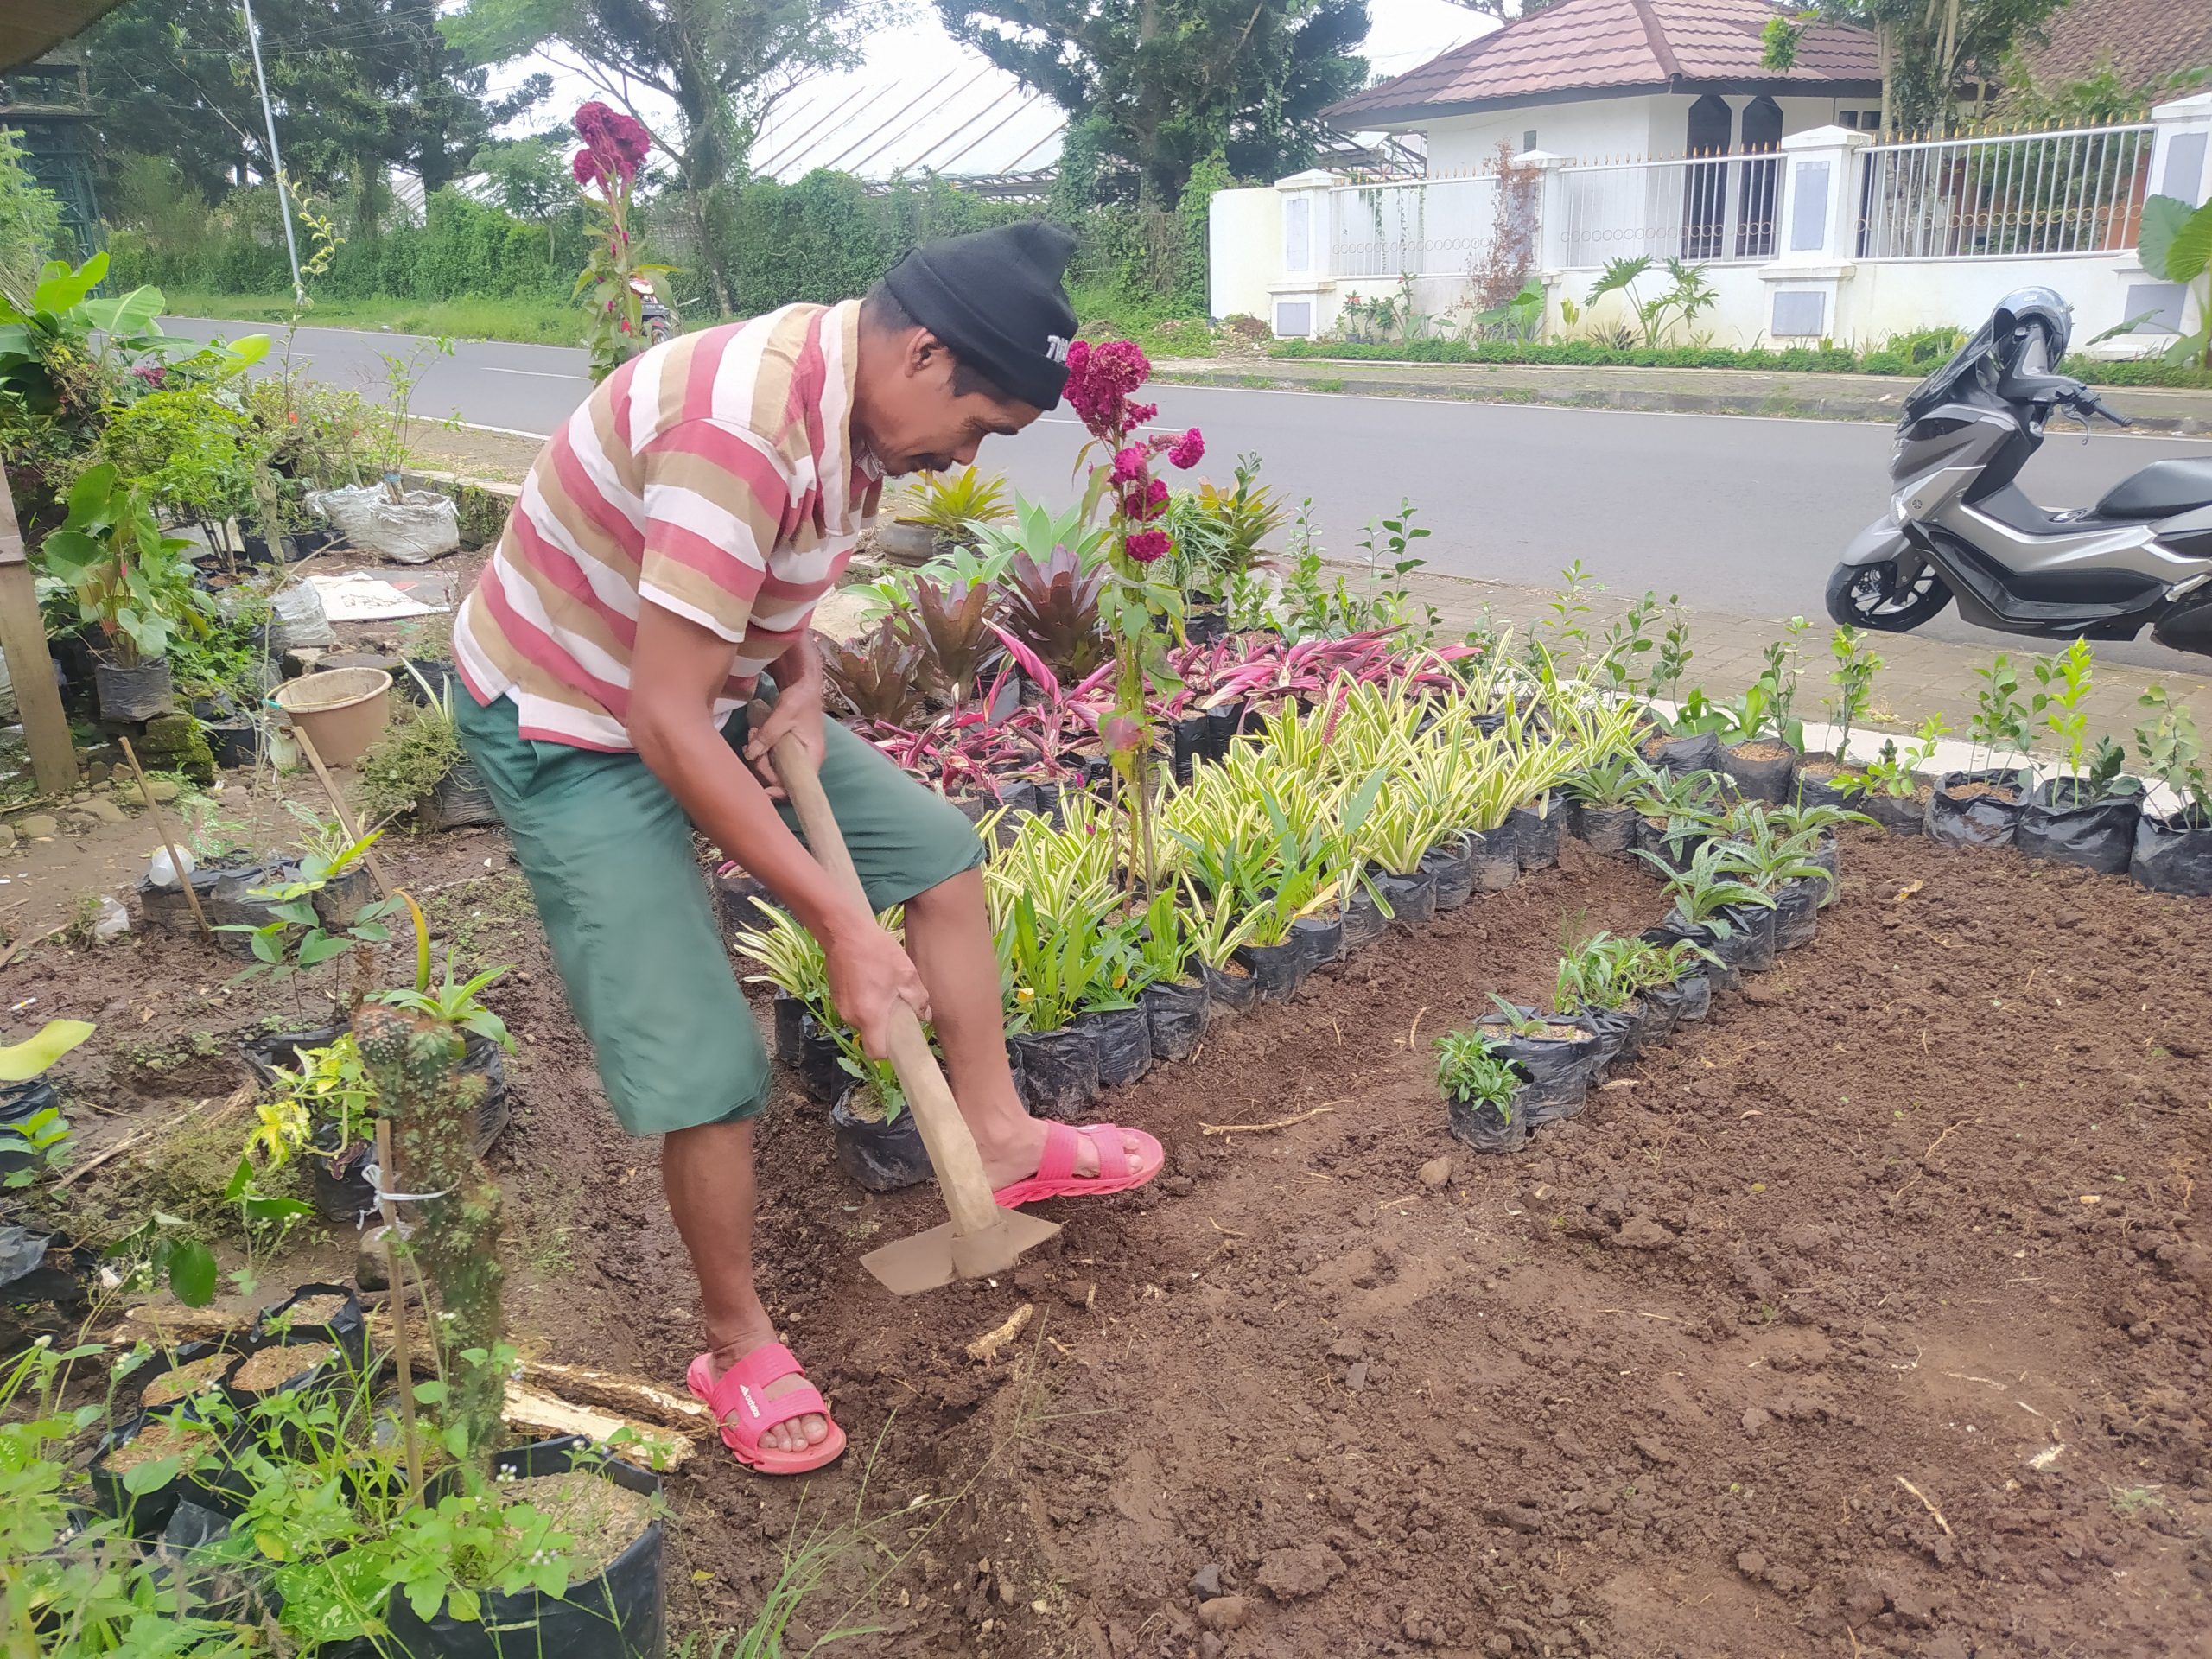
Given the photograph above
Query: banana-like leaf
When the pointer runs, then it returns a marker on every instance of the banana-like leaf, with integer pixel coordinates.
(21, 1062)
(2176, 240)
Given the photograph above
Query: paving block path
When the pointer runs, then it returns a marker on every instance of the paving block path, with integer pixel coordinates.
(1919, 677)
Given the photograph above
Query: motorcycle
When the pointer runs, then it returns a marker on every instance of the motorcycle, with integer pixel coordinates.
(654, 315)
(1959, 528)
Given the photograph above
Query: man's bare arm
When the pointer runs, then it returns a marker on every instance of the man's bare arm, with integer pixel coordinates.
(678, 669)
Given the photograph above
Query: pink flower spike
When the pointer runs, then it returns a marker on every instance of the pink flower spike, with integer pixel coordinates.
(1129, 466)
(1190, 451)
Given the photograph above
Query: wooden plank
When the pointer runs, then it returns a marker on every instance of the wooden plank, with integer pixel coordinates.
(23, 643)
(527, 1407)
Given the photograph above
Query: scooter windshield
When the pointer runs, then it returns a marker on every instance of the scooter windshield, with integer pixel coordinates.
(1975, 360)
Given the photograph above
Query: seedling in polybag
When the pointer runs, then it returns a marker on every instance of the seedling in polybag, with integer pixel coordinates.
(1470, 1070)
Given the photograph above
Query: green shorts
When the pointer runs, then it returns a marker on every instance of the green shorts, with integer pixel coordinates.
(631, 921)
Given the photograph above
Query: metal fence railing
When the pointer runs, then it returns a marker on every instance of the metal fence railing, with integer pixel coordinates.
(1425, 227)
(1703, 210)
(2076, 191)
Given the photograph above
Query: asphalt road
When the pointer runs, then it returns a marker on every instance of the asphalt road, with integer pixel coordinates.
(1736, 515)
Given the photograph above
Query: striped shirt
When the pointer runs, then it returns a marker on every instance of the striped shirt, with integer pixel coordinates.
(715, 476)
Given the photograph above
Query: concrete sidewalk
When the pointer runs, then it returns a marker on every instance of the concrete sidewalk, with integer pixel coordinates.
(1919, 678)
(1682, 392)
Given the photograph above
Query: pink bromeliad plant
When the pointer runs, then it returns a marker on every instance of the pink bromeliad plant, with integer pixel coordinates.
(606, 171)
(1103, 378)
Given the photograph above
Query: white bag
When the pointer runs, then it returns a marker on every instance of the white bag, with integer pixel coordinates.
(421, 526)
(297, 621)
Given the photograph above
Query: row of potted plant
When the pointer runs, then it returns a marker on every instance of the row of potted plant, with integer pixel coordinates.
(1752, 887)
(1390, 800)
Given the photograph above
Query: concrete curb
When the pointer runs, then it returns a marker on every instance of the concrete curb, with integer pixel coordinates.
(2151, 412)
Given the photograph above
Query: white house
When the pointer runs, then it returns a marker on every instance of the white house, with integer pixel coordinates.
(1597, 131)
(1603, 79)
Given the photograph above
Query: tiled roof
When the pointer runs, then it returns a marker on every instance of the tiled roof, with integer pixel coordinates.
(2148, 41)
(1605, 46)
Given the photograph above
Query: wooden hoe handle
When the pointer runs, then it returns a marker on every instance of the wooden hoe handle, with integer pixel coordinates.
(945, 1132)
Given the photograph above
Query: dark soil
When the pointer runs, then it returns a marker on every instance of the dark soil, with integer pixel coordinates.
(1970, 791)
(1761, 748)
(1794, 1342)
(1868, 1315)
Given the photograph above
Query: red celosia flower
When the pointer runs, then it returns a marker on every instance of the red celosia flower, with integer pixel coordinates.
(1100, 379)
(1189, 450)
(586, 167)
(1129, 466)
(1146, 545)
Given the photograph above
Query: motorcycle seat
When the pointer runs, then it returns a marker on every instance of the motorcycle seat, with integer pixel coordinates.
(2159, 491)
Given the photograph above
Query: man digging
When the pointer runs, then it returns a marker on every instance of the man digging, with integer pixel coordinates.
(663, 561)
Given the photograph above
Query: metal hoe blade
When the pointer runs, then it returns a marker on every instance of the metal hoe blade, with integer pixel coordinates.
(932, 1259)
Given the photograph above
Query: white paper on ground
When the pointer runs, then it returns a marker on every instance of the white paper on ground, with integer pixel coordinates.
(362, 596)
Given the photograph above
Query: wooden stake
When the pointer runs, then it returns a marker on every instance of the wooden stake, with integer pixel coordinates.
(168, 842)
(389, 1214)
(338, 805)
(23, 646)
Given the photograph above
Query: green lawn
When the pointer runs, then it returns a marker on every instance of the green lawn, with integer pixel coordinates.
(544, 322)
(532, 322)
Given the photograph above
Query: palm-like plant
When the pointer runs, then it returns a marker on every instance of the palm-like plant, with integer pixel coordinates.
(952, 623)
(878, 676)
(1051, 607)
(951, 503)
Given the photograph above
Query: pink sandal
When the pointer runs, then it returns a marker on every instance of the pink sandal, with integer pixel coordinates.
(735, 1398)
(1056, 1177)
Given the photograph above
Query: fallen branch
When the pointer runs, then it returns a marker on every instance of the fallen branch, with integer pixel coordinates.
(1930, 1507)
(527, 1407)
(245, 1092)
(1255, 1128)
(985, 1348)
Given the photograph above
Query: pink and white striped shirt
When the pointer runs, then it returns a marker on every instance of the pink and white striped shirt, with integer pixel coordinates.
(715, 476)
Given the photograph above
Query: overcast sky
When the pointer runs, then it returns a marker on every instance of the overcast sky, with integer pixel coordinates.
(922, 100)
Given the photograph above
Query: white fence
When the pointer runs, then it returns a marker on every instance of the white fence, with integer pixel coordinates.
(1704, 210)
(1826, 236)
(2046, 192)
(1427, 227)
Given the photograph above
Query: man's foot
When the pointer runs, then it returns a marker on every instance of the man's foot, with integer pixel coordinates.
(1119, 1161)
(796, 1435)
(1018, 1156)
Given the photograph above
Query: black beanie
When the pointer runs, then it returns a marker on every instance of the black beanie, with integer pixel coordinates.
(994, 298)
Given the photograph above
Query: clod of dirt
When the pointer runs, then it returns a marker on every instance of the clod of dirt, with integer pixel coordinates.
(1641, 1233)
(1749, 1563)
(1436, 1173)
(1286, 1574)
(1205, 1583)
(1756, 1419)
(1224, 1613)
(1652, 1449)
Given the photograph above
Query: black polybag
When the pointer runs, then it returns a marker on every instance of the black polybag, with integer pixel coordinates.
(2173, 854)
(1451, 865)
(1558, 1069)
(1980, 820)
(2097, 835)
(615, 1614)
(883, 1157)
(1537, 833)
(1175, 1013)
(1124, 1043)
(1494, 857)
(1487, 1128)
(1059, 1071)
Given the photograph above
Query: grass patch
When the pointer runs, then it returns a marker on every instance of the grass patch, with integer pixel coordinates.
(529, 323)
(1158, 332)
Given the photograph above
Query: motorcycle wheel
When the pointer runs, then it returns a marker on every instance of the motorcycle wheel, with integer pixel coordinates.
(1885, 596)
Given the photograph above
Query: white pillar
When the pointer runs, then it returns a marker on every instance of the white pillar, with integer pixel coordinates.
(1304, 300)
(2180, 166)
(1816, 236)
(1551, 225)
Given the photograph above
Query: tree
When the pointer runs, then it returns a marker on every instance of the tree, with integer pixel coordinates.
(722, 63)
(1927, 48)
(359, 87)
(1163, 83)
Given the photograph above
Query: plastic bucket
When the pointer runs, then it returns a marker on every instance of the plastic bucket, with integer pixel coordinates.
(341, 713)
